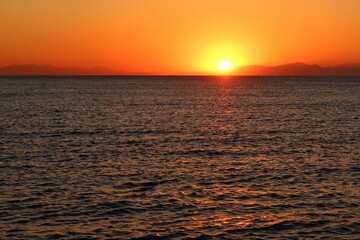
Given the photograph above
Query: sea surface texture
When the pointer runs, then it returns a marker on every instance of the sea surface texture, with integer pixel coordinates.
(179, 158)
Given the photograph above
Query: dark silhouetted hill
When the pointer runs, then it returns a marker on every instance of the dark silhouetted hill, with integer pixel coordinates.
(50, 70)
(300, 69)
(291, 69)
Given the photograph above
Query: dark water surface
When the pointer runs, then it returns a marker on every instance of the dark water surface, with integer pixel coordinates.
(179, 158)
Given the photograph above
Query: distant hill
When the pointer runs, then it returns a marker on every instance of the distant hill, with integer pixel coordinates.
(300, 69)
(50, 70)
(291, 69)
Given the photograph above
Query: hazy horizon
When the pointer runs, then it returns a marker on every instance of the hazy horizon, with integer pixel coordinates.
(294, 69)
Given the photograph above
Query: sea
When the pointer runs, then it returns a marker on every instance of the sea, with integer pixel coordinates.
(179, 157)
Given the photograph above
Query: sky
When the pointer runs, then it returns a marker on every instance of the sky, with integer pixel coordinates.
(178, 36)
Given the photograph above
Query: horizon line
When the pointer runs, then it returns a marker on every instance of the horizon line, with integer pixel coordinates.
(294, 69)
(167, 75)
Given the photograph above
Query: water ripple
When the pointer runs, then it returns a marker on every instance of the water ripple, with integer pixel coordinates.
(179, 158)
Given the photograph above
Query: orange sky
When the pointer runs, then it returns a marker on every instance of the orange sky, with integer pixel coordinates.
(178, 36)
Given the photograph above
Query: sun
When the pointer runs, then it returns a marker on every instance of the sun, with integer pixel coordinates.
(225, 65)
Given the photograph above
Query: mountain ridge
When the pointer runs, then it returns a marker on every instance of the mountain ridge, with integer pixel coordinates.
(288, 69)
(34, 69)
(300, 69)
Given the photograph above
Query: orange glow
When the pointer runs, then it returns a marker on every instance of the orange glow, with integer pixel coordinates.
(180, 37)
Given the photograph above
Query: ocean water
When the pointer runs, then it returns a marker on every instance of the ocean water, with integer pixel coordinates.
(179, 158)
